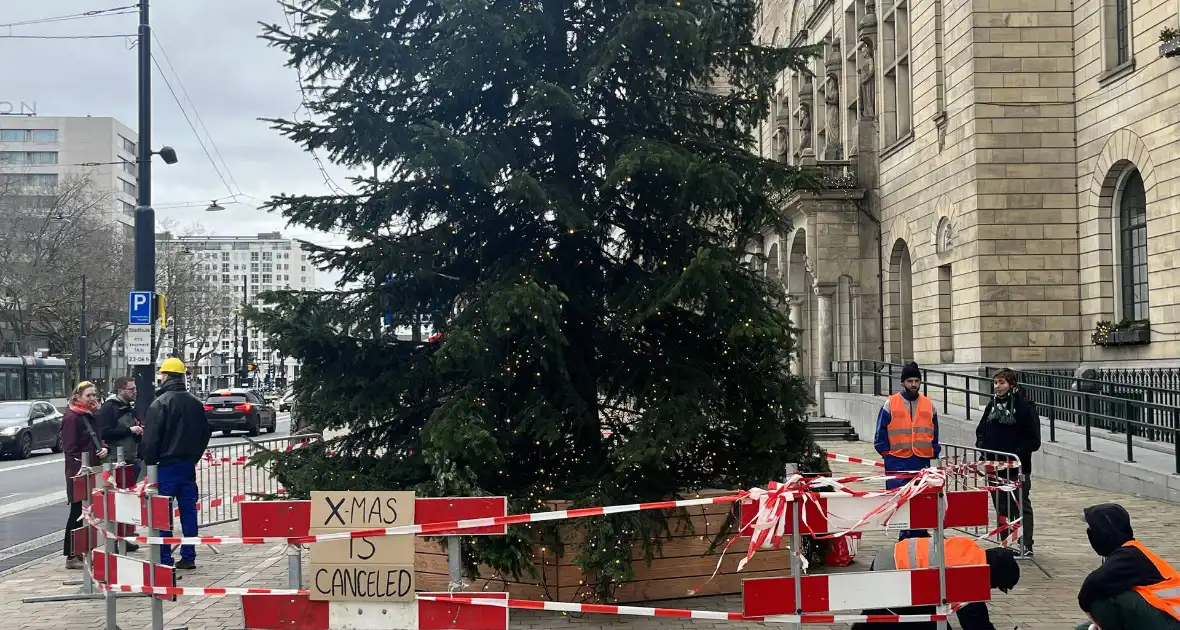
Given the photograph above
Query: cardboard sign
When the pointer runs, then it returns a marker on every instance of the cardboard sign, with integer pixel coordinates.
(348, 510)
(380, 568)
(378, 550)
(358, 583)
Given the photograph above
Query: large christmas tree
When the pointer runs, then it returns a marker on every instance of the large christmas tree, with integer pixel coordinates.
(567, 193)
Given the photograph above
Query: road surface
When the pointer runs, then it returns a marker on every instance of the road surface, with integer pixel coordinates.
(33, 506)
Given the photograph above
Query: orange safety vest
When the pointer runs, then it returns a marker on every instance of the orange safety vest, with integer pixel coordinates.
(915, 553)
(911, 437)
(1164, 595)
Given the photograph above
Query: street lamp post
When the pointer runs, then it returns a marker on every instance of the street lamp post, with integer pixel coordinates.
(145, 215)
(83, 340)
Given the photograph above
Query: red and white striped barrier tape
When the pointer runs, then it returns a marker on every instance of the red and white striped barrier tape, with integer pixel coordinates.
(444, 526)
(678, 613)
(985, 466)
(199, 591)
(845, 459)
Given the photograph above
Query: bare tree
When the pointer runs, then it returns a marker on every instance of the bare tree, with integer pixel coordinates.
(50, 238)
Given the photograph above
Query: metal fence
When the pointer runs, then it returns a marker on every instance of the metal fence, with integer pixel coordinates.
(224, 480)
(968, 475)
(1135, 412)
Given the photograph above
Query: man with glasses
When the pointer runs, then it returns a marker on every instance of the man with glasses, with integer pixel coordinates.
(122, 430)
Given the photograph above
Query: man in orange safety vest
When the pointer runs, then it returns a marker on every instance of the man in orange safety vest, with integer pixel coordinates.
(960, 551)
(907, 432)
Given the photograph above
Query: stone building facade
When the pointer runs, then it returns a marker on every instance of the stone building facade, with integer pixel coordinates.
(998, 178)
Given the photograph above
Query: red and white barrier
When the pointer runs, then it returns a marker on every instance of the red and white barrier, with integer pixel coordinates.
(130, 508)
(280, 612)
(765, 597)
(128, 571)
(478, 599)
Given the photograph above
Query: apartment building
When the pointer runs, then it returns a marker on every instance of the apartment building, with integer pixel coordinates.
(237, 270)
(37, 152)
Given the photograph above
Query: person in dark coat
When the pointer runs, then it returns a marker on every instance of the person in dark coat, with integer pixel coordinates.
(121, 430)
(1134, 589)
(80, 433)
(175, 436)
(1011, 424)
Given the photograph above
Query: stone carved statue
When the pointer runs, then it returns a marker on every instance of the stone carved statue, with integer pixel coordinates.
(832, 114)
(782, 143)
(804, 129)
(866, 73)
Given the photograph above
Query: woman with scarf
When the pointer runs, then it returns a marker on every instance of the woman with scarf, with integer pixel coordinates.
(80, 433)
(1011, 424)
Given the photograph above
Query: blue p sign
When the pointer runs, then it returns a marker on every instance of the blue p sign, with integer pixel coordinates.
(140, 311)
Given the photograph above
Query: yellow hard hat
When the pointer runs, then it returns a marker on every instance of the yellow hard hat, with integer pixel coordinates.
(173, 365)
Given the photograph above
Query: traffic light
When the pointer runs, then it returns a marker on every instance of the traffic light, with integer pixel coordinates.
(251, 367)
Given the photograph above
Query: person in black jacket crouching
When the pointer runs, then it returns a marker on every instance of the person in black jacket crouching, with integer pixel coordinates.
(175, 436)
(1011, 424)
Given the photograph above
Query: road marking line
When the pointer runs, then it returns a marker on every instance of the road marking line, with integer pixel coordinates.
(56, 460)
(33, 503)
(30, 545)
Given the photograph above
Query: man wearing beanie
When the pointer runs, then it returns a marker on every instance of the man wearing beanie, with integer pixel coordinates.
(907, 433)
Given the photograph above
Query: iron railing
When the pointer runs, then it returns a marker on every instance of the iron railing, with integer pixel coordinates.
(1134, 411)
(224, 480)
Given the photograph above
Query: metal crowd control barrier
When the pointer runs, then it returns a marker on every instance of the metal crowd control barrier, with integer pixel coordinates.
(797, 596)
(1009, 506)
(224, 479)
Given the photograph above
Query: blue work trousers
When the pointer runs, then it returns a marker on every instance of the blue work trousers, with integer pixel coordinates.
(890, 484)
(179, 481)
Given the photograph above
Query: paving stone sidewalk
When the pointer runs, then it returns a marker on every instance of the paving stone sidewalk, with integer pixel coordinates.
(1044, 600)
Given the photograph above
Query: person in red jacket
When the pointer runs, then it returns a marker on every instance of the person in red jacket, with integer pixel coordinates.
(80, 433)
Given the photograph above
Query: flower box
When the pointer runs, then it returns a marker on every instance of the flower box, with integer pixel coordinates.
(684, 564)
(1132, 337)
(1169, 43)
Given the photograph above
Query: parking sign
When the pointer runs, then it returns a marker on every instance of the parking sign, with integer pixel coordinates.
(140, 311)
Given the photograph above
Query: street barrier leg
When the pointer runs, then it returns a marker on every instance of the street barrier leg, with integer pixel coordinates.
(796, 549)
(455, 563)
(87, 558)
(294, 566)
(940, 553)
(154, 550)
(88, 591)
(111, 547)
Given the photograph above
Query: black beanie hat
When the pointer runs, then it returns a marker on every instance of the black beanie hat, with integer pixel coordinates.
(911, 371)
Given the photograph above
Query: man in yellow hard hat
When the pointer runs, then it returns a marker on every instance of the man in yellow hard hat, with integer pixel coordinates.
(175, 436)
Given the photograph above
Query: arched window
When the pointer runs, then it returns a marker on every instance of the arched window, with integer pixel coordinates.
(1132, 213)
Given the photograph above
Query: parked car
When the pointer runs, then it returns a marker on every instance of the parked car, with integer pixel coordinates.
(235, 409)
(27, 426)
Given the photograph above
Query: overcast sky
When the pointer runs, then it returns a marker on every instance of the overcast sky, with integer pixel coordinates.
(232, 78)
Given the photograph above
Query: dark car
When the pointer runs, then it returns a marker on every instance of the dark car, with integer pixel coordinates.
(28, 426)
(230, 410)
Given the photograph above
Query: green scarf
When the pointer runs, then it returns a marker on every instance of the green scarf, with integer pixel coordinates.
(1003, 410)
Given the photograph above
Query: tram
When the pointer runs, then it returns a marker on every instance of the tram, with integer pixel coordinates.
(34, 378)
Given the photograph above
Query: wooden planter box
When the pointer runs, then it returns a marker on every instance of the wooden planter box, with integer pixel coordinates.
(684, 565)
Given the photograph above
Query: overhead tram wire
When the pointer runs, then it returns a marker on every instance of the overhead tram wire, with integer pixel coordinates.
(123, 10)
(196, 114)
(113, 36)
(187, 119)
(328, 181)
